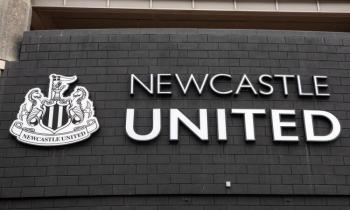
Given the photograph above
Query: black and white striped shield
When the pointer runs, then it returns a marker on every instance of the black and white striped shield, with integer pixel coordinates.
(56, 116)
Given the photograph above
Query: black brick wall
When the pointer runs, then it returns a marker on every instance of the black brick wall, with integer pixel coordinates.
(111, 165)
(187, 202)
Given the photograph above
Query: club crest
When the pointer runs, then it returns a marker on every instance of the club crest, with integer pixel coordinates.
(55, 120)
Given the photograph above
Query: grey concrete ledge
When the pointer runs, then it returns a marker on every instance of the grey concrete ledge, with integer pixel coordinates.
(72, 32)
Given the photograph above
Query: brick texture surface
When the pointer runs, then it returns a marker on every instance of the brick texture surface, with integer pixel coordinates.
(190, 202)
(110, 164)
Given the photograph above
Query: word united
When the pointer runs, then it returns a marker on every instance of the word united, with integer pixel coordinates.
(161, 84)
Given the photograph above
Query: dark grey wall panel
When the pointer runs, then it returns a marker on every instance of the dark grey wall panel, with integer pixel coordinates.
(191, 202)
(109, 163)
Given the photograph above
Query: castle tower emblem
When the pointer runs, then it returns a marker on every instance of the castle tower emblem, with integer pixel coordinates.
(56, 119)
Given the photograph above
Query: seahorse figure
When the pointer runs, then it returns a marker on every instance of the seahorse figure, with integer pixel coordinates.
(33, 109)
(78, 106)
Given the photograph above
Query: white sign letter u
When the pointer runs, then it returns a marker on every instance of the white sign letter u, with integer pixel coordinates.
(130, 120)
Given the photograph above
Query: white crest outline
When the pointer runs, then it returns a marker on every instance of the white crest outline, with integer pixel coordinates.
(77, 108)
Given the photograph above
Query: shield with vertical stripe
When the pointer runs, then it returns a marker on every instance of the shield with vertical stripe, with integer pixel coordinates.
(57, 119)
(55, 116)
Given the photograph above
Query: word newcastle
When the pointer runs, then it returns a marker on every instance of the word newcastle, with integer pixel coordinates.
(159, 85)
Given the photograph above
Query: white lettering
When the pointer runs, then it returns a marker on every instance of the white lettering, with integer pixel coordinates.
(309, 126)
(277, 125)
(245, 83)
(318, 86)
(284, 81)
(213, 88)
(249, 121)
(129, 125)
(132, 83)
(201, 132)
(193, 80)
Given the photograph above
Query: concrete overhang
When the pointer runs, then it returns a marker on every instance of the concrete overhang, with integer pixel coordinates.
(325, 15)
(326, 6)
